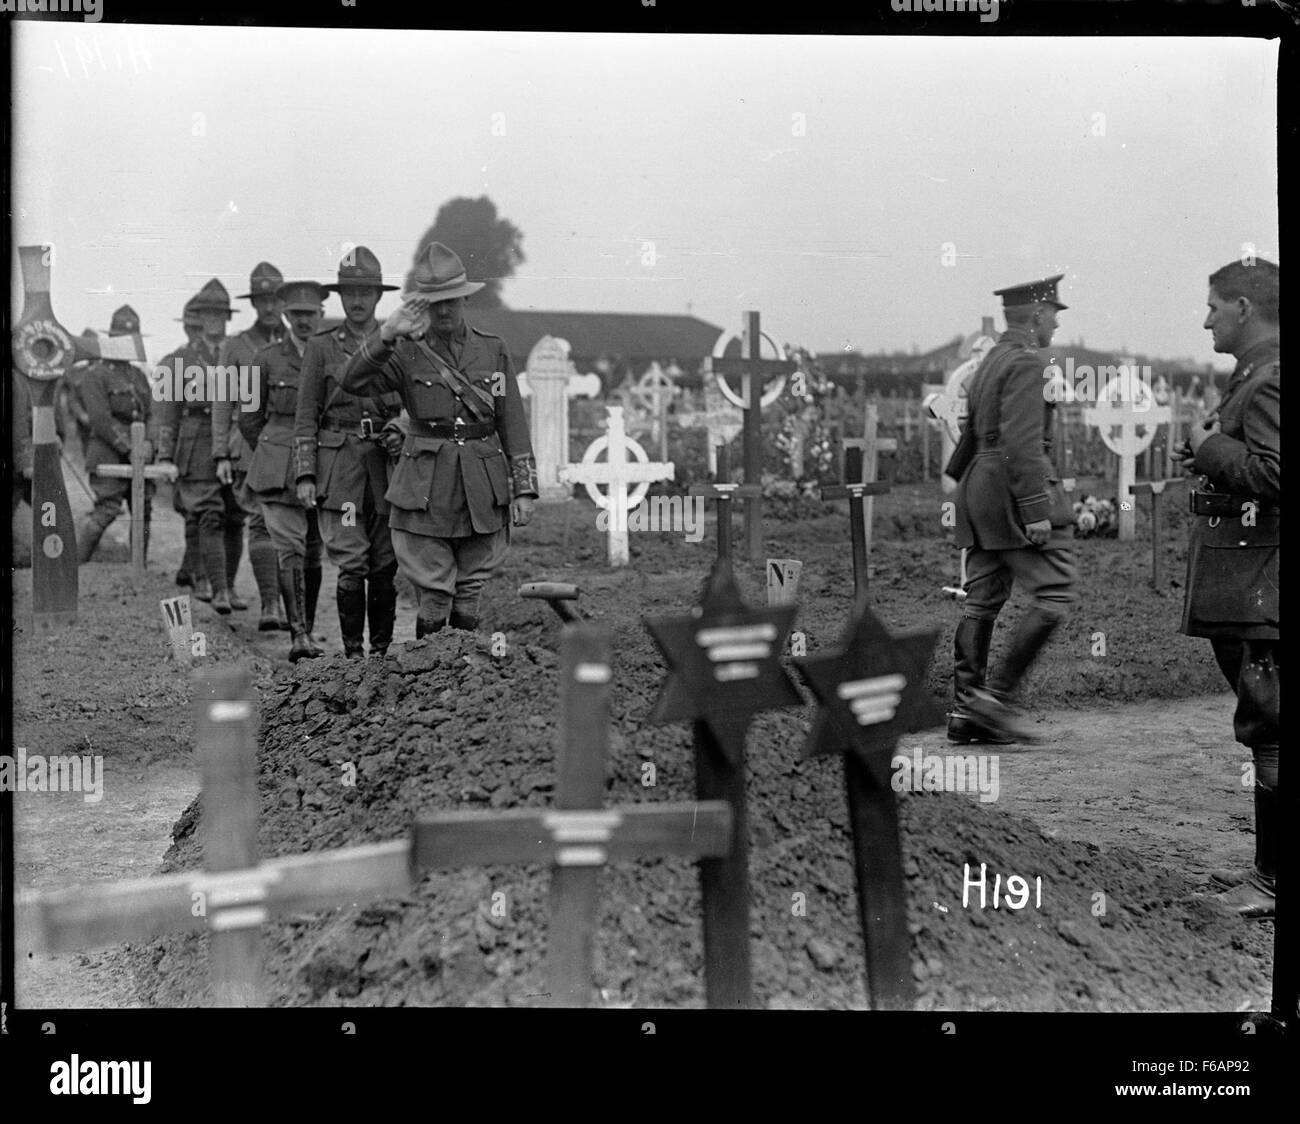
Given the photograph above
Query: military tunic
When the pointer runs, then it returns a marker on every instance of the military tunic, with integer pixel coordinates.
(443, 487)
(115, 394)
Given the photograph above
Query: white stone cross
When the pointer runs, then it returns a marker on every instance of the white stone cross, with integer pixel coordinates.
(722, 422)
(1127, 416)
(616, 472)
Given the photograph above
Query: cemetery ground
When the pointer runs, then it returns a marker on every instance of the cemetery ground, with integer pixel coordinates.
(1134, 795)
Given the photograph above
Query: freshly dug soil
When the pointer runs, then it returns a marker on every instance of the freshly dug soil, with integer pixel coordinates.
(443, 724)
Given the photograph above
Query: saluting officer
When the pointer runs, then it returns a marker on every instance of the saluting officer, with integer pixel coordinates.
(272, 476)
(115, 393)
(1012, 515)
(233, 455)
(465, 471)
(185, 437)
(342, 469)
(1235, 554)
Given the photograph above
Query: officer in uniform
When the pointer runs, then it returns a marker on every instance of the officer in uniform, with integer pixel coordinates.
(233, 455)
(465, 471)
(191, 574)
(272, 476)
(1012, 516)
(115, 393)
(1234, 556)
(185, 437)
(342, 469)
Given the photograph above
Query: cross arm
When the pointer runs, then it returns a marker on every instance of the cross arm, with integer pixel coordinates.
(532, 835)
(150, 471)
(854, 491)
(763, 368)
(726, 491)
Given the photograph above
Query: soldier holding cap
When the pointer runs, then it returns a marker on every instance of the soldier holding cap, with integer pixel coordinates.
(272, 476)
(1234, 557)
(342, 469)
(115, 393)
(233, 455)
(465, 471)
(185, 437)
(1012, 515)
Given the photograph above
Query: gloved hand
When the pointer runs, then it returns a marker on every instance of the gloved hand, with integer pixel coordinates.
(392, 437)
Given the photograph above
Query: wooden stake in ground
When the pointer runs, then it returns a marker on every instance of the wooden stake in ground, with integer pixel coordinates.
(1155, 488)
(872, 690)
(723, 668)
(753, 371)
(724, 492)
(858, 493)
(137, 471)
(44, 351)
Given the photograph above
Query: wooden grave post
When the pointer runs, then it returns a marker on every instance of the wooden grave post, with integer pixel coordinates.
(138, 471)
(44, 351)
(617, 472)
(753, 371)
(234, 895)
(872, 445)
(723, 668)
(872, 689)
(858, 492)
(1155, 488)
(579, 835)
(724, 492)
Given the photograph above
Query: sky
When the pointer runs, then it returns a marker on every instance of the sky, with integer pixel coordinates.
(861, 193)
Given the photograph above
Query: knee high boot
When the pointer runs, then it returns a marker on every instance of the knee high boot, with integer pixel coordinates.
(188, 574)
(88, 536)
(381, 608)
(312, 576)
(970, 662)
(351, 598)
(212, 546)
(432, 614)
(266, 572)
(993, 706)
(234, 543)
(293, 589)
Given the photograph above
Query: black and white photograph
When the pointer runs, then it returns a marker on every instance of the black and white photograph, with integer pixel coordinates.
(647, 523)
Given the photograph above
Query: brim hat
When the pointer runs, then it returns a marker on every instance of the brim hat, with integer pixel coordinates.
(360, 269)
(302, 296)
(125, 322)
(265, 279)
(440, 275)
(213, 297)
(1033, 292)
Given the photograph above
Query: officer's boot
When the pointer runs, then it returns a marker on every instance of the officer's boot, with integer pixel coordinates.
(213, 548)
(294, 591)
(234, 536)
(266, 572)
(190, 564)
(88, 536)
(993, 705)
(432, 614)
(351, 598)
(312, 579)
(381, 608)
(970, 660)
(1256, 895)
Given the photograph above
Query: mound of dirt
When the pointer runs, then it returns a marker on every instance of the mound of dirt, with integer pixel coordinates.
(444, 724)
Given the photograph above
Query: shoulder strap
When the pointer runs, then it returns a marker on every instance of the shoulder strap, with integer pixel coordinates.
(459, 385)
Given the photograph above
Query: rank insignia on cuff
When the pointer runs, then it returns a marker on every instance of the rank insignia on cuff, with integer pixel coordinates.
(523, 475)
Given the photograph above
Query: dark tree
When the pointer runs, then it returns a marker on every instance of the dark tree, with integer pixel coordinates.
(489, 246)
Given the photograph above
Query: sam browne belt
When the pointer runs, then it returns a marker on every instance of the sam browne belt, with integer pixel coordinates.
(1223, 504)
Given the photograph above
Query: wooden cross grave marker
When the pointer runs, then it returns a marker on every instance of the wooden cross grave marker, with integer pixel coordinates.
(579, 835)
(753, 371)
(721, 423)
(138, 471)
(871, 690)
(723, 668)
(235, 894)
(724, 492)
(44, 351)
(1155, 488)
(858, 491)
(872, 445)
(1127, 416)
(617, 472)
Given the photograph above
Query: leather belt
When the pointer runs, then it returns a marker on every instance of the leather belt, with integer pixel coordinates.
(1221, 504)
(367, 427)
(456, 431)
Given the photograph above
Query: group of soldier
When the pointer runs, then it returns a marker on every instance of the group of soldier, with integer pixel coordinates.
(420, 415)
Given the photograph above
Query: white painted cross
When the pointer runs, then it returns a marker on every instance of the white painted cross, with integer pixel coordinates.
(616, 472)
(1127, 416)
(720, 420)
